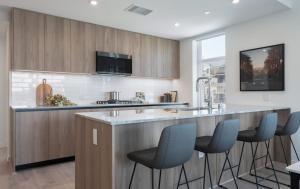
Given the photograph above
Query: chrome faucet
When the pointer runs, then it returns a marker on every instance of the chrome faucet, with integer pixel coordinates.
(209, 98)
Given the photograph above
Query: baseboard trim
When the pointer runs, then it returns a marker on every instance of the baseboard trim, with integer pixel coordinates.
(44, 163)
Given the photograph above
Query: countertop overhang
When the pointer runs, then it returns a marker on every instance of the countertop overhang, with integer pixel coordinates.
(124, 117)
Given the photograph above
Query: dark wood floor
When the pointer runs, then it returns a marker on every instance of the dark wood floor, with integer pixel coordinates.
(62, 176)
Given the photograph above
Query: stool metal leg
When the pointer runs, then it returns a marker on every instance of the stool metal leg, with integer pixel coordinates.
(253, 163)
(284, 154)
(159, 179)
(211, 184)
(285, 157)
(204, 171)
(266, 162)
(272, 165)
(132, 175)
(152, 172)
(238, 171)
(233, 176)
(179, 177)
(222, 172)
(294, 148)
(186, 179)
(230, 166)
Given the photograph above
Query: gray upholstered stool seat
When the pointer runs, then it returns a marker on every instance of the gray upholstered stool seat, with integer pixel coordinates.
(144, 157)
(202, 144)
(280, 131)
(247, 136)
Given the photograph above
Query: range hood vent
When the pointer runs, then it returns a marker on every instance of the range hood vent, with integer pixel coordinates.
(138, 10)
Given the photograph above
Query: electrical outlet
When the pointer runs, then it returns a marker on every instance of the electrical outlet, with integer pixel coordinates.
(95, 137)
(200, 155)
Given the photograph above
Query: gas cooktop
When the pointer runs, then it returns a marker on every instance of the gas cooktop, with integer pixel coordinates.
(119, 102)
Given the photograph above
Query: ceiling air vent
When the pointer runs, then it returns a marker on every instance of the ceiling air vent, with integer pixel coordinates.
(138, 10)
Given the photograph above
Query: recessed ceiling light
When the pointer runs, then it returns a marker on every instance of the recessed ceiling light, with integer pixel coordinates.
(235, 1)
(94, 2)
(177, 24)
(207, 12)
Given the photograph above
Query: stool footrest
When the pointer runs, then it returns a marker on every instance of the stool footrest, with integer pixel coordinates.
(252, 182)
(283, 172)
(193, 180)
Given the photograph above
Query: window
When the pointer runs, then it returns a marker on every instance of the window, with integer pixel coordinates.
(211, 63)
(213, 47)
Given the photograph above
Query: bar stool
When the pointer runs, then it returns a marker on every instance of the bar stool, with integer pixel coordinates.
(222, 141)
(290, 128)
(176, 146)
(264, 133)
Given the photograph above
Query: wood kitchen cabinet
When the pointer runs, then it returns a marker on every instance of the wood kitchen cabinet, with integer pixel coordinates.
(61, 134)
(28, 40)
(31, 137)
(175, 59)
(57, 44)
(130, 43)
(168, 58)
(42, 42)
(83, 47)
(106, 39)
(163, 61)
(148, 64)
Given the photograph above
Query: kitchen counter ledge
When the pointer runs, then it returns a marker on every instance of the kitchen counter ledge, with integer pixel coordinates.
(91, 106)
(123, 117)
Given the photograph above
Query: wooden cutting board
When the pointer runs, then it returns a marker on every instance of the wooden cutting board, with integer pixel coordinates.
(42, 91)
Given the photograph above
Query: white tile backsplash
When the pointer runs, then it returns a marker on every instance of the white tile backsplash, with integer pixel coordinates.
(84, 89)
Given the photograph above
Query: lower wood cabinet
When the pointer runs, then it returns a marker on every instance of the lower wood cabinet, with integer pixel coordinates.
(31, 137)
(61, 134)
(44, 135)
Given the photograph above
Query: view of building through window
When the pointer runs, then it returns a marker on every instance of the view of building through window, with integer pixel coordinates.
(211, 63)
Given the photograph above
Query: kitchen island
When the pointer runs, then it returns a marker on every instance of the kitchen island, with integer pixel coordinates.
(43, 135)
(103, 140)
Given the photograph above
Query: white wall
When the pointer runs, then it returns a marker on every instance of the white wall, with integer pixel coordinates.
(282, 27)
(4, 92)
(188, 71)
(279, 28)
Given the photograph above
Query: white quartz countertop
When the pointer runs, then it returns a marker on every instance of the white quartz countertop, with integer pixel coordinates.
(294, 168)
(124, 117)
(90, 106)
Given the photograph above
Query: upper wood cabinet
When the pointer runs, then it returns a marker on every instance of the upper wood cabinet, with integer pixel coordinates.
(28, 40)
(83, 47)
(48, 43)
(168, 58)
(175, 59)
(130, 43)
(148, 63)
(57, 44)
(106, 39)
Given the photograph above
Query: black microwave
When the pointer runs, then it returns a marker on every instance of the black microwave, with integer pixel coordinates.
(113, 63)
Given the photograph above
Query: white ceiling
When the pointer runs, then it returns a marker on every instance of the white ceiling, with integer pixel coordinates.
(189, 13)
